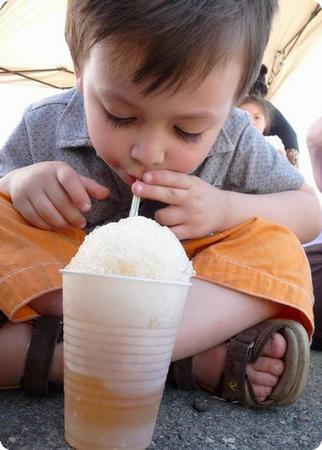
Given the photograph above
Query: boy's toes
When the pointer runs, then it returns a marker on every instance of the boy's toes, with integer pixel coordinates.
(261, 392)
(267, 365)
(262, 378)
(275, 347)
(265, 372)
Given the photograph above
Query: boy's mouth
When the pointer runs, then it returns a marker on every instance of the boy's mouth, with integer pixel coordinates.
(132, 179)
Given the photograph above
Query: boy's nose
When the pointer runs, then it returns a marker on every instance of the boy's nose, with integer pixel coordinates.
(148, 154)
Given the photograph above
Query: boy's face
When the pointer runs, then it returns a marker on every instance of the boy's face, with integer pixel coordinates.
(133, 133)
(257, 116)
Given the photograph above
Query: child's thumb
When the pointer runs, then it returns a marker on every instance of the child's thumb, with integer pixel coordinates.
(94, 189)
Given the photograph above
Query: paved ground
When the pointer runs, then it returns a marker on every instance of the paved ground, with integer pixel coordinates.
(186, 421)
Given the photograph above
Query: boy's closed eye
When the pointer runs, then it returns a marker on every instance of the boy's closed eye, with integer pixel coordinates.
(188, 137)
(119, 122)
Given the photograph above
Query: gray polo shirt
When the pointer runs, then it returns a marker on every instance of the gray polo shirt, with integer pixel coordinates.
(55, 129)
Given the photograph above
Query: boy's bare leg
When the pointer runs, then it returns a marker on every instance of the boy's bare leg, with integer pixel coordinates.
(17, 336)
(212, 315)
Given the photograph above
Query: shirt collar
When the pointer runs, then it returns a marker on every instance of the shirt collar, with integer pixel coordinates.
(72, 129)
(223, 143)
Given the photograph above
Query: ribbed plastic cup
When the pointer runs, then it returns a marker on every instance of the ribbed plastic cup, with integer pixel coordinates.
(119, 334)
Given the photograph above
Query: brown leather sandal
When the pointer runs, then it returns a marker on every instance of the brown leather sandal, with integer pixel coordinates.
(246, 348)
(47, 332)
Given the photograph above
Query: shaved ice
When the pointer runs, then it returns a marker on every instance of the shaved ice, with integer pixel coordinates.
(133, 247)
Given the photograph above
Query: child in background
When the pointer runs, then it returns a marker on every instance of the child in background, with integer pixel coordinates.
(279, 126)
(154, 115)
(259, 112)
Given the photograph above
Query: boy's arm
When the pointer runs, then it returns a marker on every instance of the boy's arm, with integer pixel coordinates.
(314, 144)
(298, 210)
(195, 208)
(262, 183)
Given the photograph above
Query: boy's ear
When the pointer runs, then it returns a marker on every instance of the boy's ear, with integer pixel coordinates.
(79, 80)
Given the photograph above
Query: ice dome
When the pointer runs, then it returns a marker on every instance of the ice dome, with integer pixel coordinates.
(136, 247)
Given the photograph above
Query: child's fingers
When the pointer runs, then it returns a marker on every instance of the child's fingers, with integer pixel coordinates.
(185, 231)
(29, 213)
(94, 189)
(181, 232)
(72, 183)
(168, 178)
(168, 195)
(170, 216)
(61, 201)
(48, 212)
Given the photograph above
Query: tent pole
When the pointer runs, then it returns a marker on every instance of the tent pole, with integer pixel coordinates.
(282, 54)
(5, 71)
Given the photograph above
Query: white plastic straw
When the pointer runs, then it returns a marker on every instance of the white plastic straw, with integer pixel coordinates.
(134, 211)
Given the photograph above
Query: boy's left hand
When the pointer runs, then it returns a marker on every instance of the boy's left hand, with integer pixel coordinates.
(195, 207)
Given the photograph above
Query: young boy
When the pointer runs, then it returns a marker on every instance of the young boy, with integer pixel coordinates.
(153, 115)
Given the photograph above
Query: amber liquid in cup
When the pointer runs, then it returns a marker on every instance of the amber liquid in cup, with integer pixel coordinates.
(114, 414)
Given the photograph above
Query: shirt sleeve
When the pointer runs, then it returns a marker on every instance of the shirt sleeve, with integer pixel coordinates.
(258, 168)
(16, 151)
(283, 129)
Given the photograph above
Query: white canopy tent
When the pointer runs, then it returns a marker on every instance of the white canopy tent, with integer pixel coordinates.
(296, 29)
(33, 46)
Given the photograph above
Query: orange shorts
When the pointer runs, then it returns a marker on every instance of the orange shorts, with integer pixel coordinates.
(258, 258)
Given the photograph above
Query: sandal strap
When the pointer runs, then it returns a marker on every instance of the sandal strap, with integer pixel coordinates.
(238, 351)
(47, 331)
(181, 372)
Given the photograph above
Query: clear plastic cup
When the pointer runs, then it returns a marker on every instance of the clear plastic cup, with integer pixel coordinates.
(119, 333)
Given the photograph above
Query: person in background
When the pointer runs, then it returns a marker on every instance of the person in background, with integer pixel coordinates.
(259, 111)
(279, 126)
(314, 252)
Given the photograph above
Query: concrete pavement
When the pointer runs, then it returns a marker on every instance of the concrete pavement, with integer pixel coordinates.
(186, 421)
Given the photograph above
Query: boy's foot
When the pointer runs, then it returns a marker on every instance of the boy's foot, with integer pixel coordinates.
(208, 366)
(263, 366)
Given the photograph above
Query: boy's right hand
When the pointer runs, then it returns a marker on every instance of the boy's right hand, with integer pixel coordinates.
(52, 195)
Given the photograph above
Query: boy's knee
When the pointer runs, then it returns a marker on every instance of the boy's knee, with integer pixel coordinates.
(49, 304)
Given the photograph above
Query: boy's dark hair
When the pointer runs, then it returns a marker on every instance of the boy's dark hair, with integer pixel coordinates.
(264, 106)
(181, 39)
